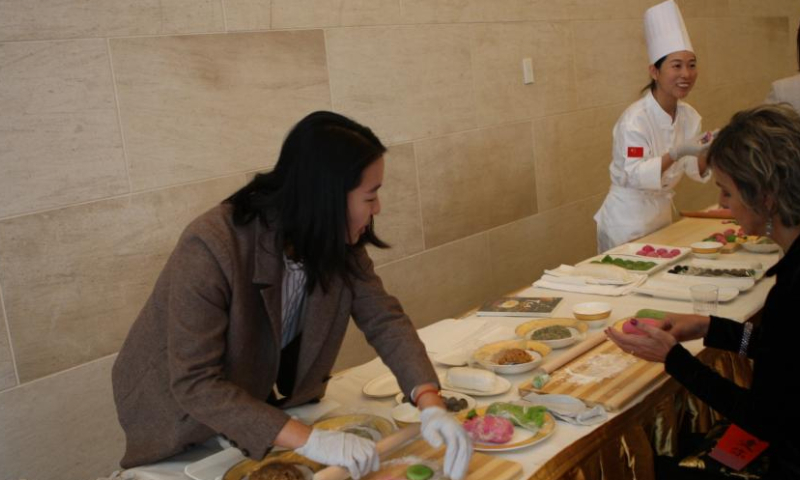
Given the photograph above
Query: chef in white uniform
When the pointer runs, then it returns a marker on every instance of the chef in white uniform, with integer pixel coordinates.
(657, 139)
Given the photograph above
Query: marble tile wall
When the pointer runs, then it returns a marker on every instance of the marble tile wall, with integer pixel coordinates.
(62, 426)
(122, 120)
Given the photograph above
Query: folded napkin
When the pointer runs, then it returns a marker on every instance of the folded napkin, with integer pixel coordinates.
(563, 278)
(568, 409)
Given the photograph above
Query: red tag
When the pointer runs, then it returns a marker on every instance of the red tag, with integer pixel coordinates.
(737, 448)
(635, 152)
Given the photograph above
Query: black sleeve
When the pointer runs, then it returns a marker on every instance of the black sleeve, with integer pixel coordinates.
(740, 405)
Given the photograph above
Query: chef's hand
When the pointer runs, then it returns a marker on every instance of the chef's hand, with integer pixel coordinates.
(342, 449)
(693, 146)
(653, 346)
(685, 327)
(439, 427)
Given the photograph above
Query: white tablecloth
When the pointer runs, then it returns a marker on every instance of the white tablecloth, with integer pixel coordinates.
(345, 389)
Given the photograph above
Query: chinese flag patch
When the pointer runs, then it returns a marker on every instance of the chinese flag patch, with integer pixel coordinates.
(635, 152)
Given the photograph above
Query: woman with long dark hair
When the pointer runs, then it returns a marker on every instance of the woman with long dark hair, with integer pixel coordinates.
(250, 311)
(756, 162)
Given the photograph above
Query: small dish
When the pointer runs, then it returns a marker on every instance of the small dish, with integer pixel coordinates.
(574, 336)
(405, 414)
(594, 314)
(755, 247)
(485, 356)
(381, 386)
(705, 248)
(446, 394)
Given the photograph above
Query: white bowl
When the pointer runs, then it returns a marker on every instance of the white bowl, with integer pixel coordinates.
(760, 247)
(706, 247)
(595, 314)
(515, 368)
(574, 335)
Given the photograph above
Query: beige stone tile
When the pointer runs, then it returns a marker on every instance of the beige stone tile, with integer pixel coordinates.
(404, 82)
(449, 11)
(718, 104)
(610, 61)
(46, 20)
(399, 223)
(8, 377)
(248, 14)
(74, 279)
(573, 153)
(701, 8)
(692, 196)
(201, 106)
(328, 13)
(497, 53)
(443, 282)
(475, 180)
(520, 251)
(607, 9)
(63, 426)
(763, 41)
(58, 130)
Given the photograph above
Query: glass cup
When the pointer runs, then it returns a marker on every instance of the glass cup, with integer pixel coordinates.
(704, 299)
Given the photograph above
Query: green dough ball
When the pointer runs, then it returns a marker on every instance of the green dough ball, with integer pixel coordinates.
(419, 472)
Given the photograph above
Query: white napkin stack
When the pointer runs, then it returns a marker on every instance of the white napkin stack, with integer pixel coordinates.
(564, 278)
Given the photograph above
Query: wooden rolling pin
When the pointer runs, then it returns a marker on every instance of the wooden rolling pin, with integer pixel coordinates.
(551, 364)
(385, 447)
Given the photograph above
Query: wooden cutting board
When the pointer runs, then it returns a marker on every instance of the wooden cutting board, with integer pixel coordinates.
(481, 466)
(605, 375)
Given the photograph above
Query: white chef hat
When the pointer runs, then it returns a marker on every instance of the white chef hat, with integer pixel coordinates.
(665, 31)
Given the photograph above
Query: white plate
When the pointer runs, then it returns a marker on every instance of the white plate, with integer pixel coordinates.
(214, 466)
(515, 368)
(575, 335)
(382, 386)
(659, 262)
(456, 358)
(522, 438)
(501, 385)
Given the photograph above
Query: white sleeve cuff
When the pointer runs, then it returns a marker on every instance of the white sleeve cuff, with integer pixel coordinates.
(692, 169)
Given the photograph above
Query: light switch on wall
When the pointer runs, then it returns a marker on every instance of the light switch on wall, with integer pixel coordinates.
(527, 71)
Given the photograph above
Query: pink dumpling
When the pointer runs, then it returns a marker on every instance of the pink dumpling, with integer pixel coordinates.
(648, 248)
(489, 429)
(628, 328)
(674, 252)
(652, 254)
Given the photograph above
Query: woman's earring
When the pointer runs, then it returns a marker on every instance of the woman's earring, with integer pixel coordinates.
(769, 227)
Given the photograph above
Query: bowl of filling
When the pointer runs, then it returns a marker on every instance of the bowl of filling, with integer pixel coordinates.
(555, 336)
(511, 356)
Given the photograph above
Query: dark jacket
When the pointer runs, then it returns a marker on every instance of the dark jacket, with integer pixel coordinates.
(203, 356)
(768, 409)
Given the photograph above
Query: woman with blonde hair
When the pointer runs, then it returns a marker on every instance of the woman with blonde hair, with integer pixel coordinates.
(756, 162)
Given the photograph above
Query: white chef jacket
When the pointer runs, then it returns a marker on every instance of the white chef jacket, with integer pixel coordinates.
(640, 199)
(786, 90)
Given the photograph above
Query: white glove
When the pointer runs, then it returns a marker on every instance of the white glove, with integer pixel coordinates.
(693, 146)
(439, 426)
(342, 449)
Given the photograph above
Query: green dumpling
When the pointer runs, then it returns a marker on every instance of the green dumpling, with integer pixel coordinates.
(419, 472)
